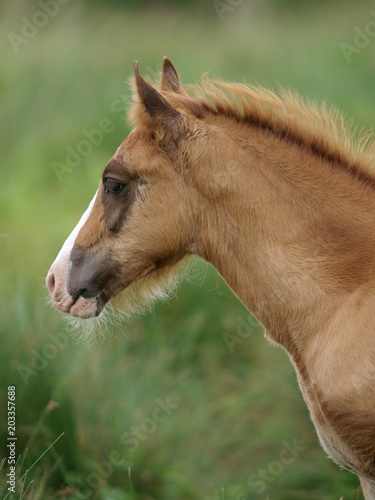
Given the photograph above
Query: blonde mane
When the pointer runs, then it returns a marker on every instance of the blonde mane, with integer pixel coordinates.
(323, 130)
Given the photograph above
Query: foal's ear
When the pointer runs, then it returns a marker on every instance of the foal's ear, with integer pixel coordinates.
(155, 104)
(169, 77)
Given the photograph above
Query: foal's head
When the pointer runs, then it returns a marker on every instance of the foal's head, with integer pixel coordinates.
(143, 219)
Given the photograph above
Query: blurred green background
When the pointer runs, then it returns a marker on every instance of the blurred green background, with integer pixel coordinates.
(189, 402)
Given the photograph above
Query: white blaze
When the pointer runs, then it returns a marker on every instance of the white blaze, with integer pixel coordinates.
(69, 243)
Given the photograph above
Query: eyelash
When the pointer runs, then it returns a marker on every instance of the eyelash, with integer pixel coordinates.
(116, 186)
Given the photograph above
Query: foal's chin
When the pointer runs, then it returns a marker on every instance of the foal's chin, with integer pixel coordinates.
(87, 320)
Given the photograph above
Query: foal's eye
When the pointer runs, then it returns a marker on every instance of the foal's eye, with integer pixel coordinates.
(113, 186)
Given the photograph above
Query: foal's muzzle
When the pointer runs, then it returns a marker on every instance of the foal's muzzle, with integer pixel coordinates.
(90, 273)
(78, 281)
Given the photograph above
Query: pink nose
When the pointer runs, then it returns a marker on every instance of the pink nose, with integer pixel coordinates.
(51, 282)
(56, 283)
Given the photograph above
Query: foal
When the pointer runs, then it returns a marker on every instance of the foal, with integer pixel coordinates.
(277, 196)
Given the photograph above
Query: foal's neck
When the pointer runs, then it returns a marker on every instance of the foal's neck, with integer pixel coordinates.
(292, 234)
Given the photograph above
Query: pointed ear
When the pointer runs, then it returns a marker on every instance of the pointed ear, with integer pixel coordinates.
(169, 77)
(155, 104)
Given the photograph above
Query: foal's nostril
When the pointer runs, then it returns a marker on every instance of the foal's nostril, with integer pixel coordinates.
(56, 284)
(50, 282)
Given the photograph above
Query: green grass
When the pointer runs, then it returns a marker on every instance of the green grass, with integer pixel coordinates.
(233, 411)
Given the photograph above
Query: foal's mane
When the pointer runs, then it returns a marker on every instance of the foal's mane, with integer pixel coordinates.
(322, 130)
